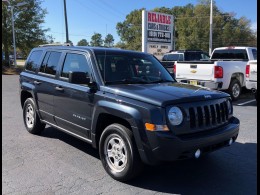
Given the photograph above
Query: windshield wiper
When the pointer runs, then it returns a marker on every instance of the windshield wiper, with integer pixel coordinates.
(125, 81)
(161, 81)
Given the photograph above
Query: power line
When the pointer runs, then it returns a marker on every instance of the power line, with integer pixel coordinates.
(201, 16)
(71, 34)
(90, 9)
(113, 8)
(104, 6)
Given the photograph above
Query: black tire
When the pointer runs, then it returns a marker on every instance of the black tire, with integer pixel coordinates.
(234, 89)
(117, 141)
(31, 119)
(256, 95)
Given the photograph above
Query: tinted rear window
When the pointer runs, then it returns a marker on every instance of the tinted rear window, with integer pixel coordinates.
(236, 54)
(34, 60)
(50, 62)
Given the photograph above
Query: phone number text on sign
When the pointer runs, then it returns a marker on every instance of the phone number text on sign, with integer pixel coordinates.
(157, 36)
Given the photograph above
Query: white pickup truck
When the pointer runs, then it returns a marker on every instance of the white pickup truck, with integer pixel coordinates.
(251, 76)
(224, 71)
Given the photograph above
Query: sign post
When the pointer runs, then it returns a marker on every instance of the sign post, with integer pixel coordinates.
(157, 33)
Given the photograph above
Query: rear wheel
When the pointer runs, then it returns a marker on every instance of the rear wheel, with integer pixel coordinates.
(234, 89)
(118, 153)
(31, 119)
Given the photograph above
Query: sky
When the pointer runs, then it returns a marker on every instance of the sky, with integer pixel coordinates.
(86, 17)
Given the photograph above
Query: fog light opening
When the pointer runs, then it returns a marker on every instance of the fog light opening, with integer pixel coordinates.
(230, 142)
(197, 153)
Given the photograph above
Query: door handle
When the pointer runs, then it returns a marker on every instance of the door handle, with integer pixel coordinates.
(37, 82)
(59, 88)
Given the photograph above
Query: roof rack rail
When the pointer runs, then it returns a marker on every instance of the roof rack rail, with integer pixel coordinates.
(55, 44)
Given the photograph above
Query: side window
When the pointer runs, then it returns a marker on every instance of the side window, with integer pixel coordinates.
(181, 58)
(34, 60)
(164, 58)
(50, 62)
(45, 60)
(204, 56)
(254, 51)
(75, 63)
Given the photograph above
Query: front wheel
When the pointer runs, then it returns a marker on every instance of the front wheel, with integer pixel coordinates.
(31, 119)
(118, 153)
(234, 89)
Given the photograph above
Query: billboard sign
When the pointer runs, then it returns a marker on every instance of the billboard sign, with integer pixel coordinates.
(157, 33)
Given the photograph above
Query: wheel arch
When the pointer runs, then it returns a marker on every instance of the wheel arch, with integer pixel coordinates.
(106, 113)
(25, 95)
(239, 76)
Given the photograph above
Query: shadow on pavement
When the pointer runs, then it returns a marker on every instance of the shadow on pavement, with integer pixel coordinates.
(231, 170)
(50, 132)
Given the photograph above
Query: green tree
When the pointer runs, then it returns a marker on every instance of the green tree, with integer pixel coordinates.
(130, 31)
(83, 42)
(109, 40)
(121, 45)
(191, 27)
(96, 40)
(27, 21)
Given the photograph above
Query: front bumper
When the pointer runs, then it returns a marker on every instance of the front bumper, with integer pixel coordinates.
(164, 146)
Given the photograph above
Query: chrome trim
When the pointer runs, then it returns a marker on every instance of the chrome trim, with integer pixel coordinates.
(68, 132)
(72, 123)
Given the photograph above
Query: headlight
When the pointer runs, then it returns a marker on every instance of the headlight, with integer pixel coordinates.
(175, 116)
(229, 106)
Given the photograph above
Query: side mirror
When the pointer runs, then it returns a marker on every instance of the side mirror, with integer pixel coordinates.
(78, 78)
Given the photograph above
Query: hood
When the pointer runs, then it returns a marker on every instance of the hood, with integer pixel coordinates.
(165, 93)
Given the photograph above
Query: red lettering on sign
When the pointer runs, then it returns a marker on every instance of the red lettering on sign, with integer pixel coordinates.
(159, 18)
(149, 17)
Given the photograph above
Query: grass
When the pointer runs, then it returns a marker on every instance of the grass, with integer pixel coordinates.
(11, 70)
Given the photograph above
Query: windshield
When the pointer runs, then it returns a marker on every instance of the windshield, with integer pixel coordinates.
(196, 56)
(173, 57)
(131, 68)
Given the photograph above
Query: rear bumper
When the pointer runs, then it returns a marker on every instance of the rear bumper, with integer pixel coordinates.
(209, 84)
(251, 85)
(165, 146)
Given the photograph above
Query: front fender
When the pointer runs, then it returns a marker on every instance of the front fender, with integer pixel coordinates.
(130, 114)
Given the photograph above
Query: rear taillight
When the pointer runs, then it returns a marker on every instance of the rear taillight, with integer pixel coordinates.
(174, 68)
(247, 71)
(218, 72)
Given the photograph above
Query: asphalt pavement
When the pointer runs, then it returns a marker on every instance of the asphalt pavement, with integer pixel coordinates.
(56, 163)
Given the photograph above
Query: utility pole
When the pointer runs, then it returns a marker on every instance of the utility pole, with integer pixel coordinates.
(14, 45)
(210, 30)
(66, 22)
(13, 29)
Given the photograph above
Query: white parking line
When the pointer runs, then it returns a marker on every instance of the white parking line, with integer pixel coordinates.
(245, 103)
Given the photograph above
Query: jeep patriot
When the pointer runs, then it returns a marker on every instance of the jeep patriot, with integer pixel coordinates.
(125, 104)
